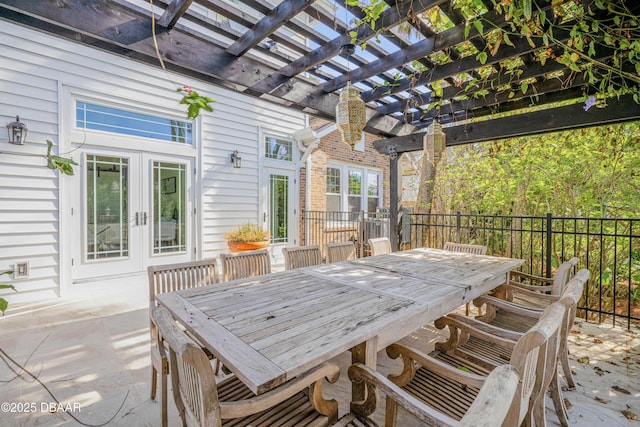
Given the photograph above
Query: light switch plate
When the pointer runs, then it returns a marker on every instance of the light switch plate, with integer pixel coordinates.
(21, 270)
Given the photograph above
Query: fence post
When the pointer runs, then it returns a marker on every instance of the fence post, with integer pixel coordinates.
(363, 232)
(458, 226)
(548, 245)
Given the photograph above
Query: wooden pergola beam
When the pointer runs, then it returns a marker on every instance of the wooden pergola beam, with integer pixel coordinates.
(574, 116)
(128, 33)
(277, 17)
(173, 12)
(391, 17)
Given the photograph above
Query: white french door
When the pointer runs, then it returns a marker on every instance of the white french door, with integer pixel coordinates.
(279, 209)
(132, 209)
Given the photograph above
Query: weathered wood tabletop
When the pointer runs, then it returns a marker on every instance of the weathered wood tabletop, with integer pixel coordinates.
(271, 328)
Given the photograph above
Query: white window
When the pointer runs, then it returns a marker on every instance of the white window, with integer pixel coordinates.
(352, 189)
(278, 148)
(109, 119)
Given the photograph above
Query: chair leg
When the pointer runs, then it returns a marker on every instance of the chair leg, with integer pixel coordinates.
(391, 413)
(566, 369)
(164, 413)
(154, 382)
(539, 419)
(558, 401)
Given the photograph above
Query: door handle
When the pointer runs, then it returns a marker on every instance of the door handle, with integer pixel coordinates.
(264, 217)
(137, 219)
(144, 219)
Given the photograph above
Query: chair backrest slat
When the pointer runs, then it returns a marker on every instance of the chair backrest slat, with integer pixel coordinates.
(342, 251)
(562, 276)
(466, 248)
(301, 256)
(241, 265)
(379, 246)
(175, 277)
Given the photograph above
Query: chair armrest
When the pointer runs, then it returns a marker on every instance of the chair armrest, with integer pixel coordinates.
(359, 372)
(535, 288)
(521, 275)
(313, 378)
(511, 307)
(457, 319)
(533, 294)
(494, 400)
(475, 329)
(410, 355)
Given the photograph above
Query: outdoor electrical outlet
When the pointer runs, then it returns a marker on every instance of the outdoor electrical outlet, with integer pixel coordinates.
(21, 270)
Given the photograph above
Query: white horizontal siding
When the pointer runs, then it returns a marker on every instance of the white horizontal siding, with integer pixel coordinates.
(29, 192)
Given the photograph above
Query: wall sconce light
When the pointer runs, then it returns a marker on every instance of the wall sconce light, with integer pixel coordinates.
(236, 160)
(17, 132)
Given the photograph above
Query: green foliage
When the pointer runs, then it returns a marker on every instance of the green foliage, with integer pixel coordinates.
(604, 23)
(372, 10)
(3, 302)
(247, 233)
(195, 101)
(587, 172)
(63, 164)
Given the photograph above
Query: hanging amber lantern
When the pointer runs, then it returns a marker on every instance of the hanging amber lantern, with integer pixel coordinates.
(435, 141)
(351, 117)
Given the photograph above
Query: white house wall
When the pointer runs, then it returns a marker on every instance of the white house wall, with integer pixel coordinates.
(33, 74)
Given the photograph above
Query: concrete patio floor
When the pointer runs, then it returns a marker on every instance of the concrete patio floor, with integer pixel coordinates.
(90, 351)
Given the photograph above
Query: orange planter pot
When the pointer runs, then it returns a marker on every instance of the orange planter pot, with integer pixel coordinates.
(247, 246)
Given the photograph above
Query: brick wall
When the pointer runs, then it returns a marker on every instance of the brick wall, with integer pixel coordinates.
(331, 148)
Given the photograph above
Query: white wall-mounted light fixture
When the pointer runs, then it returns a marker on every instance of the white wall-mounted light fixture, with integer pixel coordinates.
(17, 132)
(236, 160)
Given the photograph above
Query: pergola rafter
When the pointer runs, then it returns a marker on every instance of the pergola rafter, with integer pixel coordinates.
(289, 53)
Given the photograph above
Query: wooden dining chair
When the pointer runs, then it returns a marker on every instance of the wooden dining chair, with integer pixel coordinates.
(340, 251)
(534, 297)
(202, 402)
(520, 286)
(449, 378)
(301, 256)
(240, 265)
(469, 249)
(379, 246)
(169, 278)
(466, 248)
(489, 408)
(514, 317)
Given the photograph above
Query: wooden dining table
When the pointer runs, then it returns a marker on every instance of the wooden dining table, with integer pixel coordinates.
(272, 328)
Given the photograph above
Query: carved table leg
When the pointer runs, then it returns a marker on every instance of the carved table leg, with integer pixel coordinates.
(364, 396)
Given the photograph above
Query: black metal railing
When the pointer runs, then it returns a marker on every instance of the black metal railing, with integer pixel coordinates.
(608, 247)
(322, 227)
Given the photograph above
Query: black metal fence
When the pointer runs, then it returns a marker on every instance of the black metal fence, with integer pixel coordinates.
(322, 227)
(608, 247)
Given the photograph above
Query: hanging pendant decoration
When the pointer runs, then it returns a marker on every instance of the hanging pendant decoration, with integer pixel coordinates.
(351, 116)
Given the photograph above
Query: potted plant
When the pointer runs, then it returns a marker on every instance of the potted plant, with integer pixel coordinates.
(247, 237)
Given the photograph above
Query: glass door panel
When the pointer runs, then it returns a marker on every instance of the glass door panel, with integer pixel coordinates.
(279, 208)
(107, 199)
(169, 208)
(278, 204)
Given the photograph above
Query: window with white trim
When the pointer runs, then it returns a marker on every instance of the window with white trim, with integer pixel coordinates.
(352, 189)
(109, 119)
(278, 148)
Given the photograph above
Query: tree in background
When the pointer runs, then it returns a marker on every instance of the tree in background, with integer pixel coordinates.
(588, 172)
